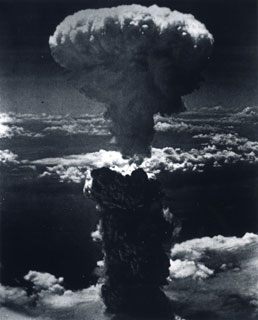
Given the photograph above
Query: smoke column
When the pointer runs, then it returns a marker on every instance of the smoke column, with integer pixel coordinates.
(135, 234)
(138, 61)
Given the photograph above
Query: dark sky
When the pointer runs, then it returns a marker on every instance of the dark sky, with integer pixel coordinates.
(28, 23)
(30, 81)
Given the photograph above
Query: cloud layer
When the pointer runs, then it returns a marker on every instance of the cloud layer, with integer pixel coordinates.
(216, 276)
(212, 276)
(210, 137)
(162, 160)
(43, 125)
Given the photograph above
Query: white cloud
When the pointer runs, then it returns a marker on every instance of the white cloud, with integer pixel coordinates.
(248, 112)
(13, 296)
(197, 285)
(74, 168)
(213, 148)
(196, 249)
(20, 118)
(230, 140)
(216, 276)
(44, 285)
(65, 174)
(63, 124)
(102, 158)
(85, 124)
(168, 159)
(8, 157)
(180, 269)
(177, 126)
(43, 281)
(73, 299)
(15, 131)
(48, 295)
(76, 128)
(220, 116)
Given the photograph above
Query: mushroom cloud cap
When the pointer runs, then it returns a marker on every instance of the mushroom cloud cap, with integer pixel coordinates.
(137, 60)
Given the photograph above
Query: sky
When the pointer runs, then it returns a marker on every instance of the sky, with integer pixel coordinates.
(31, 82)
(206, 159)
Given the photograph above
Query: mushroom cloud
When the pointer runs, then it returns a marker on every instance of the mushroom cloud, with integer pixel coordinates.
(137, 60)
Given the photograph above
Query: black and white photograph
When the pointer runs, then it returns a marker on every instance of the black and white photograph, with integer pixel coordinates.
(128, 160)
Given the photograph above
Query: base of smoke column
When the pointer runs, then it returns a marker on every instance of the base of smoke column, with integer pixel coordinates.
(136, 237)
(136, 300)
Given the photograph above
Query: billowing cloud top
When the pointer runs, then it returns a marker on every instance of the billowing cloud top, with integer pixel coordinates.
(137, 60)
(91, 37)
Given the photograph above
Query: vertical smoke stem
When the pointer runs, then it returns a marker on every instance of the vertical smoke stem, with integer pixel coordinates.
(135, 236)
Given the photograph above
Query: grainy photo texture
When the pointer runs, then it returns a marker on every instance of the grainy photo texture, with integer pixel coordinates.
(128, 160)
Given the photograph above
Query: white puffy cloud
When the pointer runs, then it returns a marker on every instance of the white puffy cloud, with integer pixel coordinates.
(207, 120)
(53, 124)
(94, 159)
(12, 296)
(65, 174)
(213, 144)
(16, 117)
(216, 276)
(221, 116)
(74, 168)
(48, 299)
(73, 300)
(232, 141)
(212, 276)
(44, 284)
(8, 157)
(43, 281)
(82, 304)
(250, 113)
(196, 249)
(177, 126)
(180, 269)
(71, 129)
(15, 131)
(168, 159)
(21, 118)
(8, 129)
(85, 124)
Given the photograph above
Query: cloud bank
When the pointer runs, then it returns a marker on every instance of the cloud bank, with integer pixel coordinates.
(162, 160)
(216, 277)
(213, 137)
(43, 125)
(48, 294)
(177, 126)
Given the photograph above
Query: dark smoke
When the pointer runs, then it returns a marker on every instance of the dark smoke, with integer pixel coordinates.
(136, 241)
(137, 60)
